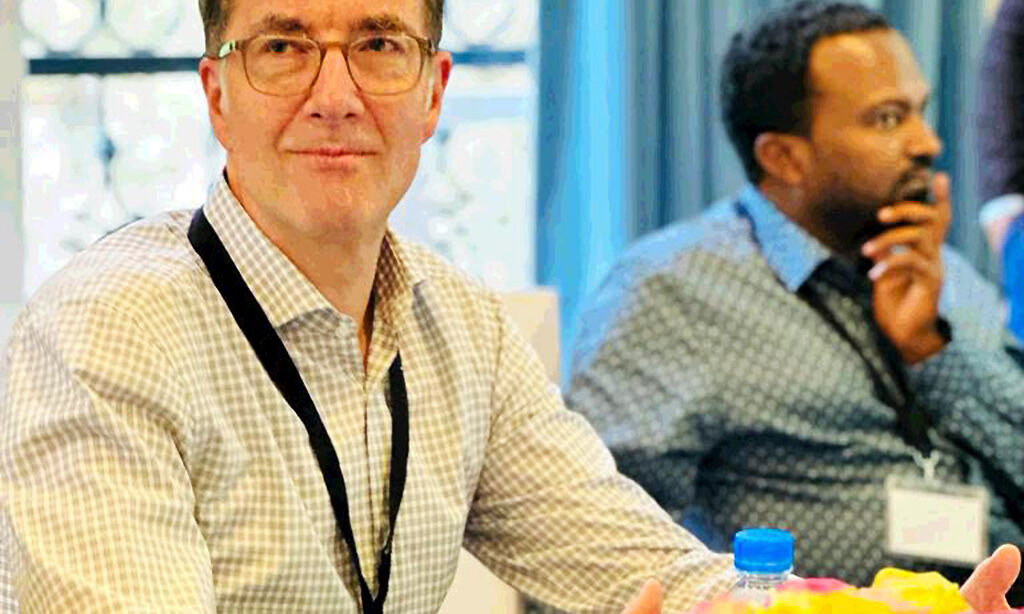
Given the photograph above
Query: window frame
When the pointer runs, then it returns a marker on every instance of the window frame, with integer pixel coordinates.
(106, 66)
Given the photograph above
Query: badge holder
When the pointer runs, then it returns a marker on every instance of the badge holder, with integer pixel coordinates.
(931, 520)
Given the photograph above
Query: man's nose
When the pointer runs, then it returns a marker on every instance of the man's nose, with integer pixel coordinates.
(924, 143)
(334, 94)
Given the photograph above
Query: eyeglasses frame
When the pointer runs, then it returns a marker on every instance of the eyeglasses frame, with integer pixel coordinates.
(427, 49)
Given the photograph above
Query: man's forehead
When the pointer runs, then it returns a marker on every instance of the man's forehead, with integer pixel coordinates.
(860, 65)
(323, 15)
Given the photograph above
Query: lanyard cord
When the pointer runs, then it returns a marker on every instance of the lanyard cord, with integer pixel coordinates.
(273, 355)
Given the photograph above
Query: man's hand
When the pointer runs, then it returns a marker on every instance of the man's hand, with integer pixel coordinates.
(907, 275)
(985, 590)
(647, 601)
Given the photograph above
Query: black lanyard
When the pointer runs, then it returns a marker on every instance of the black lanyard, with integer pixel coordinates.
(272, 354)
(912, 421)
(914, 424)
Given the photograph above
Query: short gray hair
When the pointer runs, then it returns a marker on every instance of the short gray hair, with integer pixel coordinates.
(215, 21)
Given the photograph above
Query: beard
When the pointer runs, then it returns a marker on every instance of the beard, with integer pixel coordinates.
(851, 215)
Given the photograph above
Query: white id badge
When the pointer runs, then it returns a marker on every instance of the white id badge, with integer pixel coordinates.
(936, 521)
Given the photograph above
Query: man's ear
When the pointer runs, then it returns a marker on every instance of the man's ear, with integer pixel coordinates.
(785, 157)
(439, 71)
(212, 77)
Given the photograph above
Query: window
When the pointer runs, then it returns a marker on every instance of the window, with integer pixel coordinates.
(114, 128)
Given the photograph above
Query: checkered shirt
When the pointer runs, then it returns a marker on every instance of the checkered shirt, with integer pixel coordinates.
(147, 462)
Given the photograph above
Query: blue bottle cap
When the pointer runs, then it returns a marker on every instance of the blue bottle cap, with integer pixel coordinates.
(763, 550)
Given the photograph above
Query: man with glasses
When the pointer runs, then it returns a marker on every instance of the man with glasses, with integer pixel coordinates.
(274, 404)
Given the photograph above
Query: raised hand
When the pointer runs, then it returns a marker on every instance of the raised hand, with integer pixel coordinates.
(907, 273)
(985, 590)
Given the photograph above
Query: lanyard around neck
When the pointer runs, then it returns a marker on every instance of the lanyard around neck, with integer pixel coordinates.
(912, 422)
(273, 355)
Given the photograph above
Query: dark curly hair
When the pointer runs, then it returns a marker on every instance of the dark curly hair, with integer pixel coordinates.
(765, 86)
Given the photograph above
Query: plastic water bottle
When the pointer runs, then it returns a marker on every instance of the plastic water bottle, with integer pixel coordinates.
(763, 560)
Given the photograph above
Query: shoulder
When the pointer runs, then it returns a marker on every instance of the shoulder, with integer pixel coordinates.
(111, 332)
(718, 234)
(429, 266)
(969, 301)
(962, 280)
(681, 269)
(446, 296)
(136, 276)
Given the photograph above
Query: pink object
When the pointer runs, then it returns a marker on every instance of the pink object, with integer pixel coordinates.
(814, 585)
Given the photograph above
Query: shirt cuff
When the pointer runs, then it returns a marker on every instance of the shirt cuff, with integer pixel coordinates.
(959, 370)
(937, 371)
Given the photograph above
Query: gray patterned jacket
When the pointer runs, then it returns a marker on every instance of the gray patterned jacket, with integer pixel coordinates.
(734, 403)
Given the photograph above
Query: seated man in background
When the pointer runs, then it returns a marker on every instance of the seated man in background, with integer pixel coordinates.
(1001, 144)
(774, 361)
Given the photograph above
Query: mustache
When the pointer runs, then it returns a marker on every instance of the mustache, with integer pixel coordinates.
(915, 183)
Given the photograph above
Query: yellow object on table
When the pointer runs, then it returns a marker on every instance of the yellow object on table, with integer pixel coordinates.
(930, 590)
(894, 591)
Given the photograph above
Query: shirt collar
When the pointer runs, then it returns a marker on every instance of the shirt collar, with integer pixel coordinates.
(790, 251)
(284, 293)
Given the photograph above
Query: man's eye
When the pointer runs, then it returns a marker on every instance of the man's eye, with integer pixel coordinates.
(888, 120)
(280, 46)
(381, 44)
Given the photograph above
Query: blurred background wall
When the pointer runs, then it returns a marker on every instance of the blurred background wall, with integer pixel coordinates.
(114, 127)
(11, 252)
(571, 127)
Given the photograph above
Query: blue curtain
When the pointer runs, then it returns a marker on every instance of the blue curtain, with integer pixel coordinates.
(630, 137)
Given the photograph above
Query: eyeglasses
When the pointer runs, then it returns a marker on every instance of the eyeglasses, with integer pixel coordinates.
(379, 64)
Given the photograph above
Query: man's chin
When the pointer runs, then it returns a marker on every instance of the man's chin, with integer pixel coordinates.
(342, 206)
(870, 229)
(331, 185)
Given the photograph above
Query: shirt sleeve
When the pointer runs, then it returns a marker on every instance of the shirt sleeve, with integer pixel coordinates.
(977, 399)
(97, 500)
(639, 379)
(974, 388)
(554, 517)
(1013, 275)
